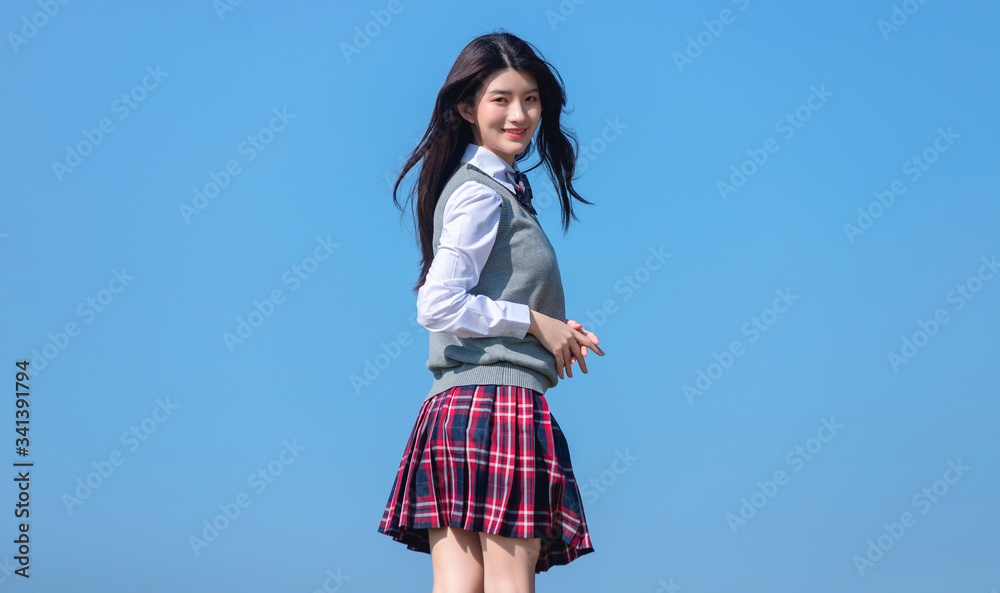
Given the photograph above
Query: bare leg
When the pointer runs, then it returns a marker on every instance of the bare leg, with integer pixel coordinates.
(457, 560)
(509, 563)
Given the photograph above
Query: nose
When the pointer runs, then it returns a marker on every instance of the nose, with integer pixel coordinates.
(516, 111)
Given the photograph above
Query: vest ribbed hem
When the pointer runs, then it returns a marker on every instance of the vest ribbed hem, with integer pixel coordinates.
(500, 373)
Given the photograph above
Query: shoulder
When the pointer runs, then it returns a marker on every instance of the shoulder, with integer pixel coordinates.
(472, 197)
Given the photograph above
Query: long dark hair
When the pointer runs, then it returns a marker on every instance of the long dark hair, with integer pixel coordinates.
(448, 133)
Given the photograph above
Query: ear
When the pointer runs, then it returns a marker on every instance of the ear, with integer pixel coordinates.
(466, 111)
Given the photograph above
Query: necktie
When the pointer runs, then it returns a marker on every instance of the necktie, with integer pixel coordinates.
(523, 189)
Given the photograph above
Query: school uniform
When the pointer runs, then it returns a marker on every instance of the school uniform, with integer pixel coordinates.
(485, 453)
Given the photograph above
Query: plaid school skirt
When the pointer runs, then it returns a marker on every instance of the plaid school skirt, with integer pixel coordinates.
(488, 458)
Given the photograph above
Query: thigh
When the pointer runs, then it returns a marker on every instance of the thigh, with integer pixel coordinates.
(511, 561)
(456, 559)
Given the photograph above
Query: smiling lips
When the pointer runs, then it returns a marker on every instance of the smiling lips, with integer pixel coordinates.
(515, 132)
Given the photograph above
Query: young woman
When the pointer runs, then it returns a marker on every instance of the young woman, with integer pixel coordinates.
(486, 484)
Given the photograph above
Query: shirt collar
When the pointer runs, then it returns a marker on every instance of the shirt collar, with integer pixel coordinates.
(490, 163)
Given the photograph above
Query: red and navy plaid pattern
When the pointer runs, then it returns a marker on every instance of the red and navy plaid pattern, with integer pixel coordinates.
(488, 458)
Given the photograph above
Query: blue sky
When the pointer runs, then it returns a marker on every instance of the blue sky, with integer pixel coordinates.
(789, 262)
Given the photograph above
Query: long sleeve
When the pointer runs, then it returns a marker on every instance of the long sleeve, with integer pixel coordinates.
(471, 220)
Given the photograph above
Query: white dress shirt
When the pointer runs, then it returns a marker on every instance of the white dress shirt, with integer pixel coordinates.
(471, 219)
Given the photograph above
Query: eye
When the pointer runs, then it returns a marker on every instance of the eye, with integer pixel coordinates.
(531, 97)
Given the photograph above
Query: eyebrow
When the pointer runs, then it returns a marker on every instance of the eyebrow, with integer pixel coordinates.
(497, 92)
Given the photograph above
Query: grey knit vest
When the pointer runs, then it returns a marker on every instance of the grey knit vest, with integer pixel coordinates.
(521, 268)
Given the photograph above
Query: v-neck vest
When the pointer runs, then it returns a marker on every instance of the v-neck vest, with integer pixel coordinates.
(521, 268)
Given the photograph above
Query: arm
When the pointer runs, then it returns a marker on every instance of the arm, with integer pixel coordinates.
(471, 219)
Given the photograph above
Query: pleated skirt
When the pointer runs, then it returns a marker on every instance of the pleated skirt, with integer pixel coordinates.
(492, 459)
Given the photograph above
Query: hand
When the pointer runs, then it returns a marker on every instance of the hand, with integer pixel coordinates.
(579, 327)
(563, 341)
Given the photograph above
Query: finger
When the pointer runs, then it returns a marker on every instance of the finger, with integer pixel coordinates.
(593, 346)
(586, 341)
(583, 363)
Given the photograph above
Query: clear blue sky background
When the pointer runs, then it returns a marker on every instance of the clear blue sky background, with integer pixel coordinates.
(668, 519)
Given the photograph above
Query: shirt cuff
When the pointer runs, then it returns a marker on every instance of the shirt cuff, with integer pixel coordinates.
(519, 320)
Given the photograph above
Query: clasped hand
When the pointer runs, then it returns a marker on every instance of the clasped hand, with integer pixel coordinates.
(568, 342)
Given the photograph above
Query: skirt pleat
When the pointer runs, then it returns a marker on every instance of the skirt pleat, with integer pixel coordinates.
(492, 459)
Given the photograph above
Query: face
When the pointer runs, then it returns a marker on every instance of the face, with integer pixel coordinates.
(507, 102)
